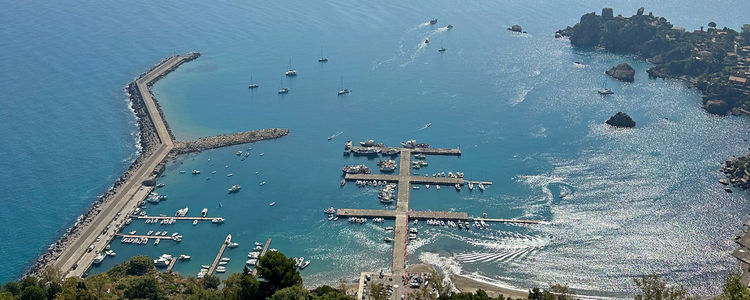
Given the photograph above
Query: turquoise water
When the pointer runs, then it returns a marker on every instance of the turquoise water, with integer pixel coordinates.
(639, 201)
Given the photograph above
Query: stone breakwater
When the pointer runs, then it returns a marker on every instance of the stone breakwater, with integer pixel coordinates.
(223, 140)
(148, 141)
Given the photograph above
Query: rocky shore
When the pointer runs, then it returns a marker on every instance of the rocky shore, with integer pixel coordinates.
(148, 139)
(738, 172)
(715, 60)
(223, 140)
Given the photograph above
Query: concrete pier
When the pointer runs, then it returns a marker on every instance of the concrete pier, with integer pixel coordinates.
(218, 255)
(130, 193)
(149, 237)
(158, 143)
(265, 249)
(177, 218)
(171, 264)
(402, 214)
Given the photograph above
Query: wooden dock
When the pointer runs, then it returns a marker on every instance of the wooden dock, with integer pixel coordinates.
(265, 249)
(218, 255)
(392, 214)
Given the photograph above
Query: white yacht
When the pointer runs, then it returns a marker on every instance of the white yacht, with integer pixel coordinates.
(233, 245)
(235, 188)
(481, 187)
(342, 90)
(290, 71)
(252, 84)
(218, 220)
(196, 172)
(184, 257)
(99, 258)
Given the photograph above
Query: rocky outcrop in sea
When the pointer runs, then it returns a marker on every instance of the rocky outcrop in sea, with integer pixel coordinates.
(622, 120)
(622, 72)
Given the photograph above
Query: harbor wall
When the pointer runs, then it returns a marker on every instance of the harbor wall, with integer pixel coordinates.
(148, 141)
(223, 140)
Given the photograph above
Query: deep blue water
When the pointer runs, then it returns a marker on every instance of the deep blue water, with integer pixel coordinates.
(639, 201)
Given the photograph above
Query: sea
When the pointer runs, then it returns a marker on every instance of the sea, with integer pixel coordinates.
(615, 203)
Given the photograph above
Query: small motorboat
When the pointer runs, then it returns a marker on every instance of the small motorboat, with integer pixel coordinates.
(433, 21)
(272, 204)
(605, 91)
(427, 41)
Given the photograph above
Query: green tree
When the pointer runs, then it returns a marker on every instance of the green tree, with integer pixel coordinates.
(295, 292)
(377, 291)
(746, 33)
(13, 288)
(33, 292)
(139, 265)
(653, 288)
(6, 296)
(328, 293)
(211, 282)
(278, 271)
(143, 287)
(734, 289)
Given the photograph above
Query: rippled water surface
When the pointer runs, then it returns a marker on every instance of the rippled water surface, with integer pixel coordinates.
(618, 203)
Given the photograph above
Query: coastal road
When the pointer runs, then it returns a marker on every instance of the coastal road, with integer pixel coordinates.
(129, 194)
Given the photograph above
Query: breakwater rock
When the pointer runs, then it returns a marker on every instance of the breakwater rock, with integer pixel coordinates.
(622, 72)
(224, 140)
(738, 171)
(621, 119)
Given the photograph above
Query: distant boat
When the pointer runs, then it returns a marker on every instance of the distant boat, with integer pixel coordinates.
(427, 40)
(290, 71)
(252, 84)
(433, 21)
(322, 58)
(442, 49)
(449, 26)
(282, 89)
(342, 90)
(335, 135)
(272, 204)
(605, 91)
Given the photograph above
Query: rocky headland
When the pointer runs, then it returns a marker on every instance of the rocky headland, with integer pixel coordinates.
(622, 120)
(623, 72)
(716, 60)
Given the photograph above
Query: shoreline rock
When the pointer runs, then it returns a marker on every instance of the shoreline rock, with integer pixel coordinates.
(623, 72)
(621, 120)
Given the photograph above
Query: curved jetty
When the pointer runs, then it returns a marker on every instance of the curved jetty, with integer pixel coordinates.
(224, 140)
(74, 253)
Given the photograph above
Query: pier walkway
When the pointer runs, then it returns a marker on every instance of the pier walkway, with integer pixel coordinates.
(178, 218)
(402, 214)
(131, 192)
(218, 255)
(431, 151)
(171, 264)
(148, 237)
(265, 249)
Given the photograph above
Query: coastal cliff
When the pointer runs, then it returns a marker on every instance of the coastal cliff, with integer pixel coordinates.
(714, 60)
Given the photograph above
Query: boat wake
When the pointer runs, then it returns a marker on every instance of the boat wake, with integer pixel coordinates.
(425, 126)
